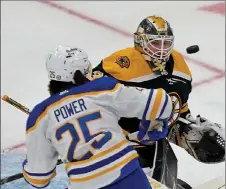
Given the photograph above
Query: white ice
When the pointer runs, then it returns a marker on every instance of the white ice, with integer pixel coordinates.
(31, 29)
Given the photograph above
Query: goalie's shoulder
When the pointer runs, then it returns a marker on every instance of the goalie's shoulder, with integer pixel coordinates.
(123, 64)
(181, 68)
(121, 58)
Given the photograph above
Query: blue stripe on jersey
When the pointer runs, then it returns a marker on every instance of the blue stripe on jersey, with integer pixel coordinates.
(101, 163)
(148, 104)
(127, 170)
(100, 84)
(164, 106)
(37, 174)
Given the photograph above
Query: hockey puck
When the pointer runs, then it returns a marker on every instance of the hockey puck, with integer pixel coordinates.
(192, 49)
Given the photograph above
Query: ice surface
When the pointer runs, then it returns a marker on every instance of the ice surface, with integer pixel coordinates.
(31, 29)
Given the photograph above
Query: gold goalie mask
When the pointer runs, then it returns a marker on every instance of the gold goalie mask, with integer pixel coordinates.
(154, 39)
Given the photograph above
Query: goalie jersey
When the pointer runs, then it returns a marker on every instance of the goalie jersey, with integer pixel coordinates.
(81, 126)
(130, 68)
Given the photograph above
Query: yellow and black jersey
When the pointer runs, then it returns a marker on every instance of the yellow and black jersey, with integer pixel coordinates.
(130, 68)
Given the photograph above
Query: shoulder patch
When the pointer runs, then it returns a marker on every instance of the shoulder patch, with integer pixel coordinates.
(126, 64)
(123, 61)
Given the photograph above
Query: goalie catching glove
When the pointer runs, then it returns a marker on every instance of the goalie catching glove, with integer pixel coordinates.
(202, 138)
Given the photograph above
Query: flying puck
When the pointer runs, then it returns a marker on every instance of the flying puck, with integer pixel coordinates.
(192, 49)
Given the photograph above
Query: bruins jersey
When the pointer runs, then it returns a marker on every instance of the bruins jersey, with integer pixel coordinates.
(130, 68)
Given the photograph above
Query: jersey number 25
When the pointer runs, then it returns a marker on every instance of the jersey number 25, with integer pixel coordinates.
(73, 130)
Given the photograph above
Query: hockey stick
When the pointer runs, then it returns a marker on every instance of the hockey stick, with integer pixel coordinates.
(27, 111)
(20, 107)
(16, 104)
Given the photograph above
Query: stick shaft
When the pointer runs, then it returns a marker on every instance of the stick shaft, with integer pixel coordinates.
(16, 104)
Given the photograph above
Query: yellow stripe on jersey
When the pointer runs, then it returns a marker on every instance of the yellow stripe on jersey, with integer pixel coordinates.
(65, 98)
(185, 104)
(184, 108)
(157, 103)
(107, 170)
(180, 64)
(36, 182)
(101, 154)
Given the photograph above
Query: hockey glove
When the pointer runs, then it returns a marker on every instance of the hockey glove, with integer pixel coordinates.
(202, 138)
(150, 131)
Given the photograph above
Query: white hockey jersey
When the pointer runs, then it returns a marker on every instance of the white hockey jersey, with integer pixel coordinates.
(81, 126)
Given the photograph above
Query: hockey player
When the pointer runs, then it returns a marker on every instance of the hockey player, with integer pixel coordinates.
(79, 123)
(153, 63)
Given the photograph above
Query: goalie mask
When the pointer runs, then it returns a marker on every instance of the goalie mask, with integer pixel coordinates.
(154, 39)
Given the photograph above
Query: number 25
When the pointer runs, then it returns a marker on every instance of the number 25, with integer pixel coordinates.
(69, 127)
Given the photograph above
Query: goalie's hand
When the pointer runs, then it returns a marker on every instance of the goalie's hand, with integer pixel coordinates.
(202, 124)
(207, 125)
(150, 131)
(202, 138)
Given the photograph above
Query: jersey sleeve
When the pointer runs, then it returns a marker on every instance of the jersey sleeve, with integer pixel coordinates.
(39, 166)
(145, 104)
